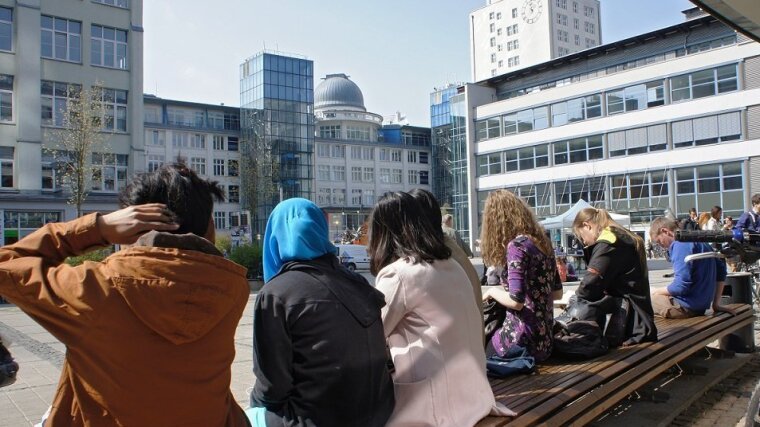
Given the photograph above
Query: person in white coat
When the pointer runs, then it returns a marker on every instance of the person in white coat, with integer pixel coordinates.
(434, 339)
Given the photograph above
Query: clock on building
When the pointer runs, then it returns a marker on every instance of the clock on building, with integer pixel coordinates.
(531, 10)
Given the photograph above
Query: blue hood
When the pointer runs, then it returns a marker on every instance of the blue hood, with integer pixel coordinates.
(296, 231)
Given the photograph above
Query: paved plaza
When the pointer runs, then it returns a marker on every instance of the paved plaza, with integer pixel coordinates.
(40, 357)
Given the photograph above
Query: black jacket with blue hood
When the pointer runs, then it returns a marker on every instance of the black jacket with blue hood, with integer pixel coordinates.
(319, 348)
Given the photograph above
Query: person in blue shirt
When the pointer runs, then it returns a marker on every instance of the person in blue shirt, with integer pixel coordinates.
(750, 220)
(696, 285)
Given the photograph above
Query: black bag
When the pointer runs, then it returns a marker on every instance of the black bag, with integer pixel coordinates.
(493, 317)
(579, 339)
(8, 367)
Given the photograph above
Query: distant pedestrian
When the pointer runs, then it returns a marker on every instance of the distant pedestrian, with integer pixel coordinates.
(750, 220)
(447, 224)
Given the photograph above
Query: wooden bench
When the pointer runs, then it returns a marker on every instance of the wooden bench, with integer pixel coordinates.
(576, 393)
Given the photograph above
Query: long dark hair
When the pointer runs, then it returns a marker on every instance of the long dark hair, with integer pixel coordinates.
(430, 206)
(399, 227)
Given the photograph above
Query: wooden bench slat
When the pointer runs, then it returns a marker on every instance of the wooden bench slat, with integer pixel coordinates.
(623, 373)
(559, 387)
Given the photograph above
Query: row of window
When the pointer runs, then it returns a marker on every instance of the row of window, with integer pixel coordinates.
(224, 220)
(157, 138)
(337, 197)
(498, 14)
(702, 187)
(338, 151)
(684, 87)
(640, 62)
(55, 97)
(685, 133)
(193, 118)
(61, 39)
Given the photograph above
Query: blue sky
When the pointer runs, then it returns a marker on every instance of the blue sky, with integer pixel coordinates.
(396, 51)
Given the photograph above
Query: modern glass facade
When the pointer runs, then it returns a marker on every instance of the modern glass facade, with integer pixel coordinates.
(440, 122)
(458, 164)
(277, 132)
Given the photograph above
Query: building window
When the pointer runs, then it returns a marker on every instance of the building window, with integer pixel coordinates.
(493, 41)
(577, 40)
(396, 176)
(339, 173)
(198, 141)
(638, 140)
(498, 31)
(156, 138)
(356, 153)
(638, 97)
(368, 153)
(588, 11)
(52, 178)
(493, 58)
(369, 197)
(385, 175)
(575, 7)
(338, 151)
(358, 133)
(491, 15)
(55, 100)
(576, 110)
(115, 104)
(424, 178)
(109, 47)
(578, 150)
(513, 61)
(218, 142)
(385, 155)
(561, 19)
(21, 224)
(413, 177)
(526, 120)
(323, 196)
(526, 158)
(707, 130)
(215, 120)
(639, 190)
(329, 132)
(356, 197)
(155, 161)
(323, 173)
(61, 39)
(576, 24)
(571, 191)
(562, 35)
(118, 3)
(220, 220)
(703, 83)
(514, 13)
(423, 157)
(395, 155)
(706, 186)
(369, 174)
(498, 15)
(512, 30)
(489, 164)
(233, 194)
(6, 98)
(198, 164)
(6, 29)
(589, 27)
(232, 143)
(356, 174)
(219, 167)
(492, 27)
(6, 167)
(562, 4)
(590, 43)
(232, 167)
(323, 150)
(339, 196)
(109, 172)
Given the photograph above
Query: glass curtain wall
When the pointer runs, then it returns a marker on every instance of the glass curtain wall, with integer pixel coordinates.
(277, 130)
(441, 136)
(459, 187)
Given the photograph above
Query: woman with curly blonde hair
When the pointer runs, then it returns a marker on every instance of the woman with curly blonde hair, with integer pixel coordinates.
(511, 238)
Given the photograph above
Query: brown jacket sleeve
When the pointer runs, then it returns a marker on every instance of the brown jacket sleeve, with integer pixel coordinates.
(34, 277)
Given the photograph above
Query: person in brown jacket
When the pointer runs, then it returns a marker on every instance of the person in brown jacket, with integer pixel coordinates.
(149, 332)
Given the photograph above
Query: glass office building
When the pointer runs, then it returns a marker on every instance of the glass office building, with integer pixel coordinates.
(277, 132)
(441, 138)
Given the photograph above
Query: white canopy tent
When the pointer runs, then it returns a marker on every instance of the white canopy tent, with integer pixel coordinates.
(565, 220)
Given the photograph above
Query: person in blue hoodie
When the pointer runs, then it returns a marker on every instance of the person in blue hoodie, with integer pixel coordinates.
(319, 353)
(696, 285)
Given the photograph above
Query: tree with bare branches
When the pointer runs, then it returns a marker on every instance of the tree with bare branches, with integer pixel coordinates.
(83, 130)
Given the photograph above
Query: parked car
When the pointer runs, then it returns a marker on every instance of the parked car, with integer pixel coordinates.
(354, 257)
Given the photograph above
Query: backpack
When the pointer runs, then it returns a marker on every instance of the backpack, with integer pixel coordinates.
(579, 340)
(493, 317)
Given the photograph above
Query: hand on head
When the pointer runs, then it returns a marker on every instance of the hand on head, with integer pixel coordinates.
(126, 225)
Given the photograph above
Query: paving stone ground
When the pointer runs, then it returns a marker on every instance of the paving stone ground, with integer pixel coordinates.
(40, 357)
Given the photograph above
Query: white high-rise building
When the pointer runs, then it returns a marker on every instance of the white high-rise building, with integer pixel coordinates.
(48, 50)
(506, 35)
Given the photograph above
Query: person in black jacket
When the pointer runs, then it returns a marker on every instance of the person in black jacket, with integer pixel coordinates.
(616, 281)
(318, 343)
